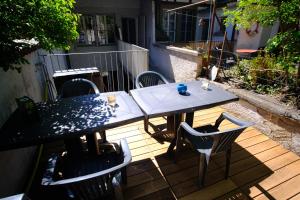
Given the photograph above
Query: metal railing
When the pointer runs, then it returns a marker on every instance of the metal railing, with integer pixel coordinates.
(111, 70)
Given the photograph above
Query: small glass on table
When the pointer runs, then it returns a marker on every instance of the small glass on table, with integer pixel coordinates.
(111, 99)
(205, 85)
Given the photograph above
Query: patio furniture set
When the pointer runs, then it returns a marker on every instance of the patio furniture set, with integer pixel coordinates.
(92, 168)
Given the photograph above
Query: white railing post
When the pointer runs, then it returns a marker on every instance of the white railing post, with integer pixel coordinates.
(122, 65)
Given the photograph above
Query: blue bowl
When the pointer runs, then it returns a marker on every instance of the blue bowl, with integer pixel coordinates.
(181, 88)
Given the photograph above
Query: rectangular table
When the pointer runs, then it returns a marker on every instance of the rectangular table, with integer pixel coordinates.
(69, 118)
(162, 100)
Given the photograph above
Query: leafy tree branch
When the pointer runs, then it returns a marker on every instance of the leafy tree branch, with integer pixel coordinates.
(52, 24)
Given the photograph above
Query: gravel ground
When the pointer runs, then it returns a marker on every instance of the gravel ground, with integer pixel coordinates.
(290, 140)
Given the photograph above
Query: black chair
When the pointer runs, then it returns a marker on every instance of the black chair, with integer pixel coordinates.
(208, 140)
(73, 88)
(147, 79)
(89, 177)
(78, 87)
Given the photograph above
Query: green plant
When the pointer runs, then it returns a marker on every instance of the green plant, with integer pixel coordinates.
(285, 44)
(264, 74)
(52, 24)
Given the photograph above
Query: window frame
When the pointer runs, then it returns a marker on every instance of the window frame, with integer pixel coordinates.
(96, 28)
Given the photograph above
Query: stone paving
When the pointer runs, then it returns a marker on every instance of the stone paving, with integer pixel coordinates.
(290, 140)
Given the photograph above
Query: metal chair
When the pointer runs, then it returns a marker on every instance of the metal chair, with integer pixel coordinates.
(78, 87)
(89, 177)
(147, 79)
(208, 140)
(73, 88)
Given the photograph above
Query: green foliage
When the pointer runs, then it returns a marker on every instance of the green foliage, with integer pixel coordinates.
(266, 12)
(51, 23)
(265, 74)
(285, 45)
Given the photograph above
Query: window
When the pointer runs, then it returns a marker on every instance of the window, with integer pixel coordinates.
(96, 30)
(187, 26)
(218, 29)
(179, 26)
(169, 24)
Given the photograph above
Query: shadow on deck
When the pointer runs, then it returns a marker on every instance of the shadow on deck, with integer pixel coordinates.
(260, 167)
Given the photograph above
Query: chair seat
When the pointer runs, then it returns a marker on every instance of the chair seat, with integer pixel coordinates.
(202, 144)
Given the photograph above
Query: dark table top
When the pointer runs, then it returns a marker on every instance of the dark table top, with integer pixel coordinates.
(69, 117)
(165, 100)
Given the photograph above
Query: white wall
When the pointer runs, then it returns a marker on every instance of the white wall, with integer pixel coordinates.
(136, 60)
(255, 41)
(105, 62)
(16, 163)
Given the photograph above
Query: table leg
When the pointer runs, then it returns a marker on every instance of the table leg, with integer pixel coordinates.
(177, 121)
(170, 123)
(92, 143)
(189, 118)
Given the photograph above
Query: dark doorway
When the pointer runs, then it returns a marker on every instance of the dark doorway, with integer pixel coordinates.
(128, 30)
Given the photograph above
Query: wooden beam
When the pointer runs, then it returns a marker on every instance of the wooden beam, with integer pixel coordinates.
(224, 31)
(188, 6)
(212, 23)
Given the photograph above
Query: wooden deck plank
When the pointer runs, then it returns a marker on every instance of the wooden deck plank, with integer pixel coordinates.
(249, 151)
(277, 178)
(143, 177)
(264, 169)
(210, 192)
(159, 195)
(145, 189)
(236, 194)
(249, 142)
(140, 167)
(282, 191)
(257, 159)
(296, 197)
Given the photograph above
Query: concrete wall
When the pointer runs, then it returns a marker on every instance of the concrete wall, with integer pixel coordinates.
(176, 64)
(16, 164)
(147, 10)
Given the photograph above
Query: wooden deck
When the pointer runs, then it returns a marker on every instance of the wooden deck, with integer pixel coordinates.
(260, 167)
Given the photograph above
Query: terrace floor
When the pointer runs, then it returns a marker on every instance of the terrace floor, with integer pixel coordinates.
(260, 167)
